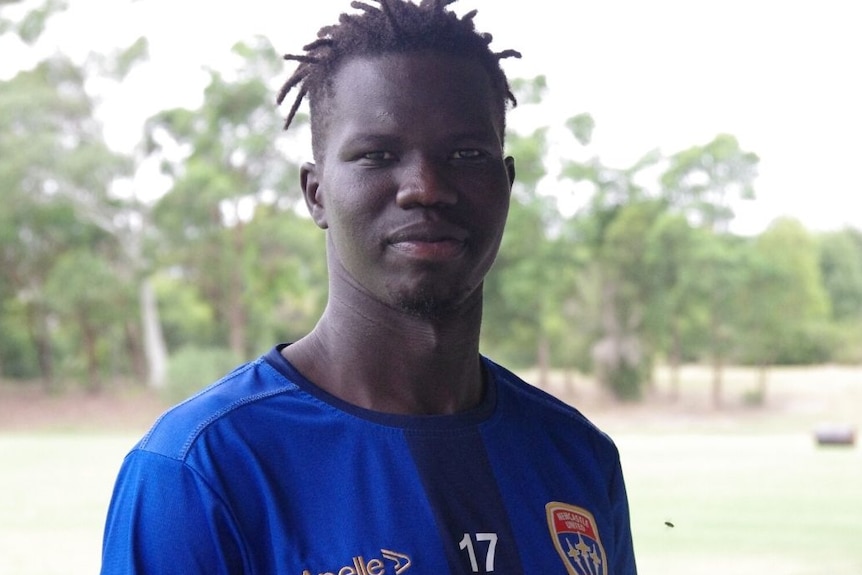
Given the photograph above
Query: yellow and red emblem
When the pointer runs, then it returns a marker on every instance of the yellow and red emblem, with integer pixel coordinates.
(576, 537)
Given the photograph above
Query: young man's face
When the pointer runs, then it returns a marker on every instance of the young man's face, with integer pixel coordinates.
(411, 183)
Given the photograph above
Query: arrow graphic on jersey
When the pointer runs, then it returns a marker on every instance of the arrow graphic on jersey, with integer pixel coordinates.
(397, 558)
(373, 566)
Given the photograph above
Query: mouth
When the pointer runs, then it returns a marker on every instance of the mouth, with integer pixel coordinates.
(434, 243)
(437, 251)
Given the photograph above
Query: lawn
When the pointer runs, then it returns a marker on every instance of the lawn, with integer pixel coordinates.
(744, 504)
(55, 490)
(746, 490)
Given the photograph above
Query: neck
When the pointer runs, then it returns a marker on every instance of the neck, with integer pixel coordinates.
(386, 360)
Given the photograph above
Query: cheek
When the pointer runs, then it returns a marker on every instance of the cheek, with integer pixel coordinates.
(353, 210)
(357, 191)
(495, 204)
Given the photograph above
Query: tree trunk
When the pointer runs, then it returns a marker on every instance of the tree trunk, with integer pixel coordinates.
(236, 312)
(135, 351)
(569, 380)
(675, 361)
(94, 385)
(717, 380)
(41, 337)
(543, 356)
(762, 378)
(236, 315)
(717, 359)
(154, 340)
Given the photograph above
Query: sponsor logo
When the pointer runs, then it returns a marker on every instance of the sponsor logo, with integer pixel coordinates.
(576, 538)
(390, 563)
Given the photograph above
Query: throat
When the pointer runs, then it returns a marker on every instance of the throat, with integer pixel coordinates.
(390, 377)
(383, 359)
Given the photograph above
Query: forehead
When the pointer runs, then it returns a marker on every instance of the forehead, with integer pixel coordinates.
(411, 88)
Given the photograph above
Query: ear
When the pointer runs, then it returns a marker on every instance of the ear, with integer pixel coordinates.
(309, 179)
(510, 169)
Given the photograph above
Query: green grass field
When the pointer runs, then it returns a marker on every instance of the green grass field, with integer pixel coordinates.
(747, 490)
(742, 504)
(54, 490)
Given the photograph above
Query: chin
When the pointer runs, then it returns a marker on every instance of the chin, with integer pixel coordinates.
(425, 308)
(427, 305)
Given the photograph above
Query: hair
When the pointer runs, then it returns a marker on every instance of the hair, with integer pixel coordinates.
(396, 26)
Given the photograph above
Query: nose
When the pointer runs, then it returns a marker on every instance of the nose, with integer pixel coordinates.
(423, 183)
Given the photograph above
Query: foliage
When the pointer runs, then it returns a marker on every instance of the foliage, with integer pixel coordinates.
(611, 230)
(840, 260)
(193, 368)
(89, 302)
(17, 353)
(646, 272)
(701, 180)
(227, 178)
(847, 343)
(54, 173)
(783, 274)
(186, 317)
(33, 22)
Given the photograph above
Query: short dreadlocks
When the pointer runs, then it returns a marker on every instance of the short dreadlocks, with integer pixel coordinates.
(396, 26)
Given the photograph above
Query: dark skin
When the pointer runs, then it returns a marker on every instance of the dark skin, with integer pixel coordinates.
(412, 188)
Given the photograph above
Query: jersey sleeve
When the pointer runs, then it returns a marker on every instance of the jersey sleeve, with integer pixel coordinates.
(164, 519)
(624, 552)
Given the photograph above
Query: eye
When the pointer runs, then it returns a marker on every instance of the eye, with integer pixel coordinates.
(467, 154)
(378, 156)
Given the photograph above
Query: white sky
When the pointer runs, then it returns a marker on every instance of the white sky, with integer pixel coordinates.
(784, 77)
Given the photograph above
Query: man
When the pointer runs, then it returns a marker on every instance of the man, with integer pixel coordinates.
(382, 442)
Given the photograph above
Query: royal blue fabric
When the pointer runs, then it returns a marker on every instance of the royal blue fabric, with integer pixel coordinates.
(264, 473)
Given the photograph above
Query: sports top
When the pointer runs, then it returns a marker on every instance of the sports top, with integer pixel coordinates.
(265, 473)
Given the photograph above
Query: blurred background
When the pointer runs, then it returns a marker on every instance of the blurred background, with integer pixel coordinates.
(683, 260)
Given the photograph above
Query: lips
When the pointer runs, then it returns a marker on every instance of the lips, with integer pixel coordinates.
(429, 241)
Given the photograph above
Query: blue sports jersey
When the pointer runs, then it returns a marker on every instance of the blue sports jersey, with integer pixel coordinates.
(265, 473)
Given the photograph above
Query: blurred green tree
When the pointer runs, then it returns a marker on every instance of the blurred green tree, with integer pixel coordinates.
(56, 173)
(701, 182)
(612, 229)
(228, 177)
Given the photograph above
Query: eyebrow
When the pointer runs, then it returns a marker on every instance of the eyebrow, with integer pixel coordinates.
(371, 139)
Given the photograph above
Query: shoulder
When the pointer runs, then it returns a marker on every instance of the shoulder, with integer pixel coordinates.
(545, 410)
(175, 431)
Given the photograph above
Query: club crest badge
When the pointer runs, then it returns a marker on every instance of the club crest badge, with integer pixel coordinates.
(576, 537)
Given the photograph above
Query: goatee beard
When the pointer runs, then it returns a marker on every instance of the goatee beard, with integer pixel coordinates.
(424, 305)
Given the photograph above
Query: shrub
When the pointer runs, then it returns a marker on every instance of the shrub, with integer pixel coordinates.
(193, 368)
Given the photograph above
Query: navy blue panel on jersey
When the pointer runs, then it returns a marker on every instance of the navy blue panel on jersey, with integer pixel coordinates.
(469, 510)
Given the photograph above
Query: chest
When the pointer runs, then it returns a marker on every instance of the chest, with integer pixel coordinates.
(351, 502)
